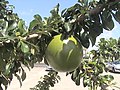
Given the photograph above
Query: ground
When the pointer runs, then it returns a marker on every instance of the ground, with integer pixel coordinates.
(33, 76)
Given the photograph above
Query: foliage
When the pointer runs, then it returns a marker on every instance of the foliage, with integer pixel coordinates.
(91, 70)
(22, 45)
(91, 73)
(48, 81)
(109, 49)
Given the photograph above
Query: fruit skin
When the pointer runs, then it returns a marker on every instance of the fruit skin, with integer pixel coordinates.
(64, 55)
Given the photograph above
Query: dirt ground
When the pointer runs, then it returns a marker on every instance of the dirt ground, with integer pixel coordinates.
(33, 76)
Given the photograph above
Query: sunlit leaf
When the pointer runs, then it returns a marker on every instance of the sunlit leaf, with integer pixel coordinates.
(108, 78)
(11, 25)
(8, 67)
(21, 26)
(17, 33)
(33, 24)
(38, 17)
(55, 10)
(85, 81)
(24, 47)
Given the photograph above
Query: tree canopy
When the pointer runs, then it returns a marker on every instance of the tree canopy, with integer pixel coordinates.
(21, 44)
(109, 49)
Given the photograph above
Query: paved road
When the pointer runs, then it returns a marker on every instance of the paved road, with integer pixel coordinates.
(65, 84)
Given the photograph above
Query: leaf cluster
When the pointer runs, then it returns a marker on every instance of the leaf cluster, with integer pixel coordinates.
(48, 81)
(25, 45)
(90, 73)
(109, 49)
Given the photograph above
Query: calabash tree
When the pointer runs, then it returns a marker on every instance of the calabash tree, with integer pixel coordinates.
(109, 49)
(26, 45)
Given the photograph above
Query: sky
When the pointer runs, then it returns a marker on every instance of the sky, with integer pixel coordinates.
(26, 9)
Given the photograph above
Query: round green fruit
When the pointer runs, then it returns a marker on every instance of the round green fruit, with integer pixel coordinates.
(64, 55)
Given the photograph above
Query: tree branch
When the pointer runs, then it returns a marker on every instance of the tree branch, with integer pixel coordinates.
(31, 36)
(94, 11)
(80, 18)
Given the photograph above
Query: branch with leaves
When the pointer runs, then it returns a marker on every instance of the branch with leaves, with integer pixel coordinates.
(20, 44)
(48, 81)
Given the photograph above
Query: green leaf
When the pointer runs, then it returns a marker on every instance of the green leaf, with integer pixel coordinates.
(110, 23)
(11, 7)
(33, 24)
(31, 64)
(21, 26)
(117, 16)
(75, 74)
(24, 47)
(85, 81)
(108, 78)
(81, 1)
(19, 44)
(4, 26)
(107, 20)
(27, 64)
(84, 2)
(94, 31)
(23, 76)
(68, 26)
(54, 12)
(82, 75)
(99, 68)
(77, 81)
(38, 17)
(11, 25)
(36, 24)
(84, 39)
(2, 64)
(52, 83)
(18, 77)
(118, 42)
(92, 39)
(8, 67)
